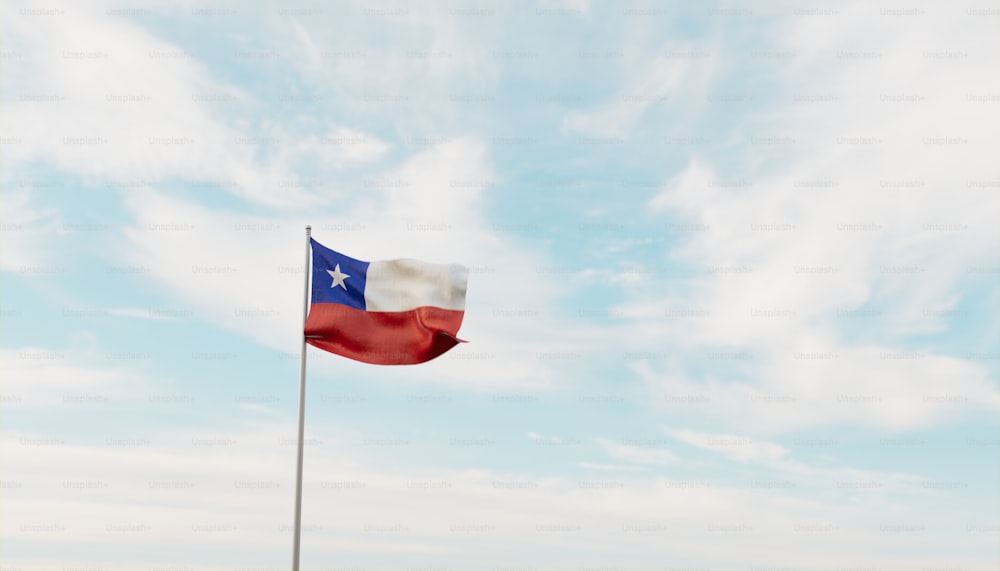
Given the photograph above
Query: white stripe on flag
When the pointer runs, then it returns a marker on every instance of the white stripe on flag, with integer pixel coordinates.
(402, 285)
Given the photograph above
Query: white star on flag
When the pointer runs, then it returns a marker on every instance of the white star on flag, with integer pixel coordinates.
(338, 277)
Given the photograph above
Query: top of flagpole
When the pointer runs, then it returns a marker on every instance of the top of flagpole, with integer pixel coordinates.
(309, 229)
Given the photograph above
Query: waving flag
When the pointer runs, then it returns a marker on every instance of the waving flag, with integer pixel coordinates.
(393, 312)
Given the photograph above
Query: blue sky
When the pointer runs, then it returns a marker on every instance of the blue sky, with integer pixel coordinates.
(732, 297)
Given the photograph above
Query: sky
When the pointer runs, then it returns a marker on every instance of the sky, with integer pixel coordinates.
(732, 299)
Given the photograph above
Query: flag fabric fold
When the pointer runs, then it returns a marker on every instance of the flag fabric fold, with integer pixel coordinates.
(392, 312)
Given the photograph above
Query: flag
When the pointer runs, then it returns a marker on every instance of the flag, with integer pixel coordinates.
(391, 312)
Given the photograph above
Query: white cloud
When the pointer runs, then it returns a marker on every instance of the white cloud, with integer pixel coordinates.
(550, 440)
(609, 467)
(258, 408)
(738, 448)
(648, 83)
(780, 467)
(636, 454)
(45, 378)
(432, 42)
(102, 97)
(564, 7)
(844, 202)
(233, 490)
(875, 387)
(337, 149)
(137, 313)
(24, 227)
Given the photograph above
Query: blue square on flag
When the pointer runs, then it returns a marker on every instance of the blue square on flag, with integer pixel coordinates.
(337, 278)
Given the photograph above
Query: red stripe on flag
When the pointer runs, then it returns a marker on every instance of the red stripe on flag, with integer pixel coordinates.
(383, 337)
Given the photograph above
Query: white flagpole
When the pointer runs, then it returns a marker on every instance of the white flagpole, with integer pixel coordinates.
(302, 411)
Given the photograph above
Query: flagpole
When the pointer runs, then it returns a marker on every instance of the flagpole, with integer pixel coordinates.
(302, 410)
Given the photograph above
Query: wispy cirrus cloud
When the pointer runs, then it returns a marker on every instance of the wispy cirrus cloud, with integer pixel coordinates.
(24, 225)
(636, 454)
(844, 233)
